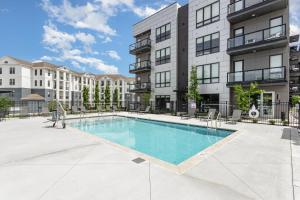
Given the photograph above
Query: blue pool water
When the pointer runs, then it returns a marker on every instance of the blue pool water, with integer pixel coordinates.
(173, 143)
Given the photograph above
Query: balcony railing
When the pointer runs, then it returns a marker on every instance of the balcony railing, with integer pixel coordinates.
(256, 37)
(140, 87)
(140, 66)
(275, 74)
(243, 4)
(140, 46)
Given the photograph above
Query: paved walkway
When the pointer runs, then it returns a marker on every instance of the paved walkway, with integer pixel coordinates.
(39, 162)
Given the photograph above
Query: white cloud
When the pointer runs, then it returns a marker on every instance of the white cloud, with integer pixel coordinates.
(85, 38)
(113, 54)
(46, 58)
(56, 39)
(294, 17)
(94, 15)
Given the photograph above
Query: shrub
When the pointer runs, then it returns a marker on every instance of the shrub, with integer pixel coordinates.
(285, 123)
(272, 122)
(5, 103)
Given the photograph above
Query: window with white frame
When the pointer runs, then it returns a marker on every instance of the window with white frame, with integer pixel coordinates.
(12, 81)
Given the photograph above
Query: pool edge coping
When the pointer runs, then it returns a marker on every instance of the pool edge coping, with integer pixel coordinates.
(178, 169)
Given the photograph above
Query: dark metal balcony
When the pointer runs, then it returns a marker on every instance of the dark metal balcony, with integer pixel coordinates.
(268, 38)
(261, 76)
(140, 87)
(140, 47)
(140, 67)
(246, 9)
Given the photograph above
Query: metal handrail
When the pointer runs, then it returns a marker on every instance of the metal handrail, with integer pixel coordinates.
(218, 120)
(232, 7)
(257, 36)
(139, 44)
(264, 75)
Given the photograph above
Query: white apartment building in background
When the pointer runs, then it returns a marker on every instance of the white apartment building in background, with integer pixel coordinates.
(19, 79)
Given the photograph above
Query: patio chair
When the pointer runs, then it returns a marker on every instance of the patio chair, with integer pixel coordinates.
(210, 115)
(137, 110)
(147, 110)
(236, 116)
(185, 116)
(2, 115)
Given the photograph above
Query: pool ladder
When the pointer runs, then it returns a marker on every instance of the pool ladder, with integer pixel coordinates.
(209, 119)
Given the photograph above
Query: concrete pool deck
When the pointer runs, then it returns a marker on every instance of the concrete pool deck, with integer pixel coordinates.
(39, 162)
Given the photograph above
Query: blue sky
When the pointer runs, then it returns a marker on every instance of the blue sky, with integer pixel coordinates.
(85, 35)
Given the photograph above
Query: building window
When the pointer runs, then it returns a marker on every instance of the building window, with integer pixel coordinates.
(208, 14)
(12, 82)
(208, 44)
(41, 72)
(163, 33)
(0, 81)
(0, 70)
(163, 79)
(12, 70)
(163, 56)
(35, 72)
(208, 73)
(35, 83)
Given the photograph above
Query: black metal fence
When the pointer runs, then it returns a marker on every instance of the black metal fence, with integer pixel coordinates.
(278, 113)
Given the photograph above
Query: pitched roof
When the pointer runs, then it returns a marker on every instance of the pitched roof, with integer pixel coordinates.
(23, 62)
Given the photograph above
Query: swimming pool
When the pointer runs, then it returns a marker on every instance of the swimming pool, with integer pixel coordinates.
(173, 143)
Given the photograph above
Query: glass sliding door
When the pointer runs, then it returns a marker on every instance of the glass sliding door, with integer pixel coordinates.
(238, 70)
(276, 70)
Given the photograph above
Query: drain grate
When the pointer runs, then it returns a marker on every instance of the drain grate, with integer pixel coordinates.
(138, 160)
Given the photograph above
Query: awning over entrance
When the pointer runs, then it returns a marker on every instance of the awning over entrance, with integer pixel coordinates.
(33, 97)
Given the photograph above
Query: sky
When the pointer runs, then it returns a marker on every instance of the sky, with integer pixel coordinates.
(84, 35)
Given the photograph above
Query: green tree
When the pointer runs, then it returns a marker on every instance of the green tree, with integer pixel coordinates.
(5, 103)
(116, 97)
(245, 96)
(107, 95)
(96, 97)
(295, 100)
(194, 93)
(146, 98)
(85, 95)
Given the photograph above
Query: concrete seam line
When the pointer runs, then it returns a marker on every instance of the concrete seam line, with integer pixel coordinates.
(64, 175)
(150, 189)
(292, 164)
(248, 186)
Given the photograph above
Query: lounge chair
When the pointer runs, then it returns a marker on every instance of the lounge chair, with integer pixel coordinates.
(210, 115)
(236, 116)
(185, 116)
(137, 110)
(147, 110)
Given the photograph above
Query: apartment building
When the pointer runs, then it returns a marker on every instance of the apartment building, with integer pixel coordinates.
(115, 82)
(294, 65)
(20, 78)
(155, 53)
(229, 42)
